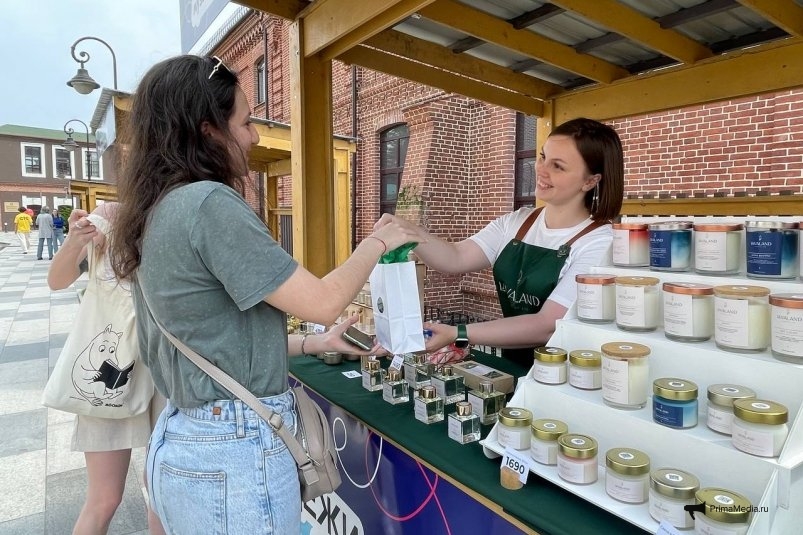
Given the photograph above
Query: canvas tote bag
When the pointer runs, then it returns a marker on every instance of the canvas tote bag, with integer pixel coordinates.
(98, 372)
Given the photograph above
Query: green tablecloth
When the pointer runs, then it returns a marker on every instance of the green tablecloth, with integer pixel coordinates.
(541, 505)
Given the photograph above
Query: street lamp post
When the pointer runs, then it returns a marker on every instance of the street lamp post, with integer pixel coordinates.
(82, 82)
(71, 145)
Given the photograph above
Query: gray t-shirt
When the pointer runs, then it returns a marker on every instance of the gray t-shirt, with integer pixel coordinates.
(207, 263)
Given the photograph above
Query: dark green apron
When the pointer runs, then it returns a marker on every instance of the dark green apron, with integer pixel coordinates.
(525, 275)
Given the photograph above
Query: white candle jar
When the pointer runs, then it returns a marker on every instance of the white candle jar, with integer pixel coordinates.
(759, 427)
(625, 373)
(742, 318)
(544, 442)
(631, 245)
(786, 327)
(577, 459)
(637, 303)
(670, 245)
(717, 248)
(772, 249)
(549, 366)
(596, 298)
(585, 369)
(688, 311)
(513, 428)
(627, 473)
(670, 491)
(725, 513)
(720, 405)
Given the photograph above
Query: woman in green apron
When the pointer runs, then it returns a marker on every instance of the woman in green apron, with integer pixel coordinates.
(536, 253)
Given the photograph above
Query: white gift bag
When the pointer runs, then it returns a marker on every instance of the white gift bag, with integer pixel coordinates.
(397, 310)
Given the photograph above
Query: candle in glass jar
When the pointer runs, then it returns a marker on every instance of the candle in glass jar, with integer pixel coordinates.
(688, 311)
(625, 373)
(637, 303)
(596, 298)
(631, 245)
(741, 317)
(670, 245)
(717, 248)
(786, 326)
(772, 249)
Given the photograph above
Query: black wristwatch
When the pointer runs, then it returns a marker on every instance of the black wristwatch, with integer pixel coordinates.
(462, 336)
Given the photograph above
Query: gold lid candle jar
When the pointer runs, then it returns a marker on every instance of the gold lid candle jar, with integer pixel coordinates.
(670, 491)
(577, 459)
(464, 426)
(395, 389)
(670, 245)
(717, 248)
(625, 373)
(742, 318)
(550, 365)
(428, 406)
(786, 326)
(674, 402)
(544, 442)
(759, 427)
(688, 311)
(627, 474)
(772, 249)
(585, 369)
(596, 298)
(637, 303)
(513, 429)
(631, 245)
(720, 405)
(725, 512)
(486, 402)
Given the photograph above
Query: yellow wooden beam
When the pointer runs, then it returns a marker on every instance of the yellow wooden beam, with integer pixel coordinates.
(423, 74)
(626, 21)
(463, 64)
(286, 9)
(773, 67)
(280, 168)
(338, 25)
(311, 117)
(786, 14)
(271, 204)
(775, 205)
(493, 30)
(342, 205)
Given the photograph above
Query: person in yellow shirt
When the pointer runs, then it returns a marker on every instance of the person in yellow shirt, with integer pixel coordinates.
(22, 227)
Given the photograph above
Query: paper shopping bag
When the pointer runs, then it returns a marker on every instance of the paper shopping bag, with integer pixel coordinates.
(397, 310)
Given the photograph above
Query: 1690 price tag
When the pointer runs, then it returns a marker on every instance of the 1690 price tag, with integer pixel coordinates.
(518, 463)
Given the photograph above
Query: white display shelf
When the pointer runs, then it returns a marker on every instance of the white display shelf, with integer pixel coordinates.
(773, 485)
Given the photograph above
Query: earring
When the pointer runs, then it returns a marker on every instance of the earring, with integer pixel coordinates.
(595, 198)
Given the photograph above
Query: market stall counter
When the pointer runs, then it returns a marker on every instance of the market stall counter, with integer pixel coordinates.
(403, 476)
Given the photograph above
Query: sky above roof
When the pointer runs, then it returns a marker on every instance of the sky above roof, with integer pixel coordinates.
(35, 37)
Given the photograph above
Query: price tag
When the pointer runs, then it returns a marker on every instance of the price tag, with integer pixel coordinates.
(397, 362)
(665, 528)
(518, 463)
(352, 374)
(317, 328)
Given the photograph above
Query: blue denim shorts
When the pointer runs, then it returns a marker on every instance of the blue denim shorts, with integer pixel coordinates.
(220, 469)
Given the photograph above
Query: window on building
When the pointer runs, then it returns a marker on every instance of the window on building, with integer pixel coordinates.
(260, 85)
(95, 165)
(33, 159)
(524, 191)
(392, 152)
(62, 162)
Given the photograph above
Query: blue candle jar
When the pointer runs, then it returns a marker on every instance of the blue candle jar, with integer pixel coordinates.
(674, 402)
(670, 246)
(772, 249)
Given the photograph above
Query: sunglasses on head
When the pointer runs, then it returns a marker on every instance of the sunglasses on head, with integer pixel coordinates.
(218, 64)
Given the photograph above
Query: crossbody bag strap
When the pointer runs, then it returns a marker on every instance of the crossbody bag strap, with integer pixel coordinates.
(242, 393)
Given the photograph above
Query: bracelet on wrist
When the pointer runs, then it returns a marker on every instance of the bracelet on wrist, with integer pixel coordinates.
(303, 341)
(384, 245)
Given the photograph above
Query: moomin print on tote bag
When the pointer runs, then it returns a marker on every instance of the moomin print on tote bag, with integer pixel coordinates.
(99, 372)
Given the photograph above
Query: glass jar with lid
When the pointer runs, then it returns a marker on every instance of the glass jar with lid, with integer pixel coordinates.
(544, 442)
(772, 249)
(717, 248)
(577, 459)
(625, 374)
(637, 303)
(720, 405)
(670, 245)
(688, 311)
(513, 428)
(550, 365)
(674, 402)
(627, 475)
(670, 491)
(786, 322)
(742, 317)
(631, 245)
(725, 512)
(585, 369)
(759, 427)
(596, 298)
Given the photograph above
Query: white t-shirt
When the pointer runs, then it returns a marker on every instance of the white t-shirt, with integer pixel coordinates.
(593, 249)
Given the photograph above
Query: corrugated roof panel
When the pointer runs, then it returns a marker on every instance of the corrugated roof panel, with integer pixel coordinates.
(497, 54)
(503, 9)
(726, 25)
(658, 8)
(429, 31)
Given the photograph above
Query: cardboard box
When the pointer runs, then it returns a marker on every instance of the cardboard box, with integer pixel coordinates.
(474, 373)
